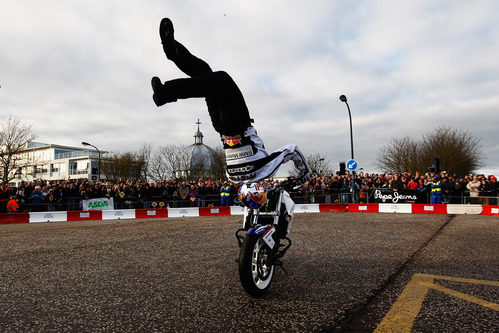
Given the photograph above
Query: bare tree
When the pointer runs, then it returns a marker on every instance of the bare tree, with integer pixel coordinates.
(158, 170)
(171, 161)
(218, 165)
(119, 166)
(14, 137)
(144, 155)
(458, 150)
(318, 164)
(402, 155)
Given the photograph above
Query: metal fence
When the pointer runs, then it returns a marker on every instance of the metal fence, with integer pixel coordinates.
(312, 197)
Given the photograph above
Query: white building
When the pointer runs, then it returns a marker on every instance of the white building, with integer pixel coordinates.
(55, 163)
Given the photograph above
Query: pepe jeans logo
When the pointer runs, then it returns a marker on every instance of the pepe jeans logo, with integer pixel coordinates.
(394, 198)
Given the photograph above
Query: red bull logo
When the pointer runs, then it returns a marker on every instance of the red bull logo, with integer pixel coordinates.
(231, 140)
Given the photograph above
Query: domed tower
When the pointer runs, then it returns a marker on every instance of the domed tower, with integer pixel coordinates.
(202, 156)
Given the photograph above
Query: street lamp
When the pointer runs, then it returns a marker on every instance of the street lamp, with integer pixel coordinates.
(98, 151)
(343, 98)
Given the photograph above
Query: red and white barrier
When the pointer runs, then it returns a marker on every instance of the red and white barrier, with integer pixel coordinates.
(214, 211)
(35, 217)
(183, 212)
(464, 209)
(151, 212)
(429, 209)
(332, 208)
(88, 215)
(395, 208)
(363, 208)
(118, 214)
(92, 215)
(307, 208)
(490, 210)
(14, 218)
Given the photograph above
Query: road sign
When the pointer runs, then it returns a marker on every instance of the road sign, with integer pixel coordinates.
(352, 165)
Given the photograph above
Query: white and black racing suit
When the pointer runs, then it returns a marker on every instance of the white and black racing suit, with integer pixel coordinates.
(247, 160)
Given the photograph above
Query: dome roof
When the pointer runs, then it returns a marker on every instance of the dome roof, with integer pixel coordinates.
(202, 156)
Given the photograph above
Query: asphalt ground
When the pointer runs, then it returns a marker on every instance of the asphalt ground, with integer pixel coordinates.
(346, 273)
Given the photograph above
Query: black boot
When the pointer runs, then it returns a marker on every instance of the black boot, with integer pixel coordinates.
(166, 34)
(161, 95)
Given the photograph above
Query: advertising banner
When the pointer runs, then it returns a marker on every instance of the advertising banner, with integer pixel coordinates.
(388, 195)
(98, 204)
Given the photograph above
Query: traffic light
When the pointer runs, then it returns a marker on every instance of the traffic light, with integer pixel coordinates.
(342, 168)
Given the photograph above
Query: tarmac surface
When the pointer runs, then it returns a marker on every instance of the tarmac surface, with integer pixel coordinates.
(347, 272)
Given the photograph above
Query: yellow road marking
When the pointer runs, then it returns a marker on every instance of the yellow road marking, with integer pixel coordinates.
(400, 318)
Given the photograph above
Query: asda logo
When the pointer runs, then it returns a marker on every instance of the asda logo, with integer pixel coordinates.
(97, 204)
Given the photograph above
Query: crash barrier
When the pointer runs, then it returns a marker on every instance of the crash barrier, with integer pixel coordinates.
(141, 213)
(373, 196)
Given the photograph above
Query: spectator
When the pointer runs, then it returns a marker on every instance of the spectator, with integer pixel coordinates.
(193, 196)
(447, 188)
(458, 192)
(184, 194)
(474, 188)
(12, 205)
(436, 191)
(4, 197)
(225, 195)
(36, 198)
(484, 191)
(494, 190)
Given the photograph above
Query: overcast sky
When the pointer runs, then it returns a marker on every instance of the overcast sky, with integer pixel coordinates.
(80, 71)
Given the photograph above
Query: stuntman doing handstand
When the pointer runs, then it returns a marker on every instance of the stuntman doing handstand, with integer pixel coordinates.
(246, 158)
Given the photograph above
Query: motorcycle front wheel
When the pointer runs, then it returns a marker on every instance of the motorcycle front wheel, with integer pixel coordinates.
(255, 267)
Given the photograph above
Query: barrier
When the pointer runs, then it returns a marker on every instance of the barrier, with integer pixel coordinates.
(87, 215)
(56, 216)
(464, 209)
(363, 208)
(151, 212)
(236, 210)
(332, 208)
(183, 212)
(395, 208)
(7, 218)
(305, 208)
(429, 209)
(37, 217)
(118, 214)
(214, 211)
(490, 210)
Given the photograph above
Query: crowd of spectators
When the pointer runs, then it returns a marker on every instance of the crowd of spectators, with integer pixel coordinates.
(42, 195)
(454, 189)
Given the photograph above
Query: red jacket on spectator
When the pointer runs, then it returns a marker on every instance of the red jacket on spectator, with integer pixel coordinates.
(12, 205)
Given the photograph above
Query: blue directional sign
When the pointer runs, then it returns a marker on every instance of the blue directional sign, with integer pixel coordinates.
(352, 165)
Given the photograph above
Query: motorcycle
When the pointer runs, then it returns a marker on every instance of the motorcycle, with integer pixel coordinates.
(263, 240)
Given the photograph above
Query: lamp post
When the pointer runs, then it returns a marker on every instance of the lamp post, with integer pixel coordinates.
(98, 151)
(343, 98)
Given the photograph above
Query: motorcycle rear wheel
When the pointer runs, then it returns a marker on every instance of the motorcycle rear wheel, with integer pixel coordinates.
(255, 267)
